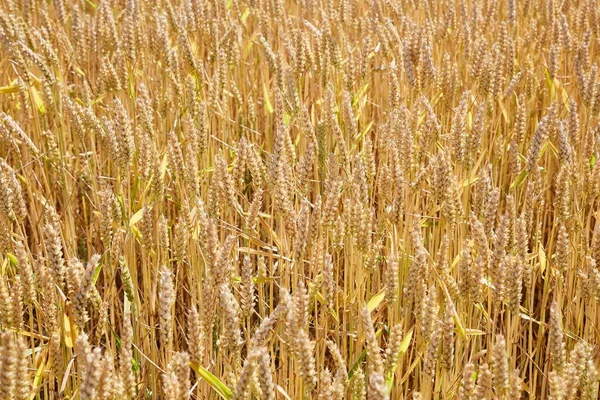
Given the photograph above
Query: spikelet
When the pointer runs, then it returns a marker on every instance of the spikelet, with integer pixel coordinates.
(246, 376)
(83, 293)
(261, 333)
(357, 385)
(195, 335)
(555, 338)
(54, 251)
(373, 352)
(125, 357)
(500, 366)
(467, 387)
(447, 354)
(483, 389)
(91, 378)
(230, 336)
(431, 354)
(392, 351)
(264, 374)
(8, 369)
(25, 273)
(539, 137)
(165, 308)
(247, 297)
(391, 278)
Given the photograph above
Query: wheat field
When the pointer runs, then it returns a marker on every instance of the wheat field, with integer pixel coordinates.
(299, 199)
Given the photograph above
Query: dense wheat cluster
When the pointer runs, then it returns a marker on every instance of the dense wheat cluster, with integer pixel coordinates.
(299, 199)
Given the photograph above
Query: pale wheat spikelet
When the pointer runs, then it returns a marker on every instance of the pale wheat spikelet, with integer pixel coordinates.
(48, 295)
(483, 389)
(556, 385)
(431, 354)
(562, 249)
(515, 385)
(302, 229)
(195, 335)
(209, 299)
(500, 366)
(264, 374)
(458, 129)
(298, 309)
(340, 380)
(92, 375)
(392, 283)
(17, 303)
(392, 351)
(109, 213)
(373, 352)
(16, 132)
(55, 356)
(590, 388)
(260, 336)
(23, 381)
(175, 156)
(427, 321)
(514, 82)
(180, 239)
(257, 167)
(555, 338)
(163, 234)
(305, 168)
(100, 329)
(573, 123)
(304, 350)
(247, 296)
(357, 385)
(108, 79)
(326, 385)
(170, 386)
(252, 216)
(329, 282)
(261, 267)
(6, 314)
(222, 262)
(513, 282)
(231, 337)
(499, 254)
(520, 120)
(441, 177)
(166, 302)
(123, 127)
(565, 150)
(25, 273)
(539, 137)
(244, 381)
(376, 388)
(224, 182)
(109, 384)
(467, 386)
(11, 194)
(83, 294)
(447, 353)
(332, 197)
(512, 11)
(417, 271)
(54, 252)
(181, 367)
(8, 367)
(126, 357)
